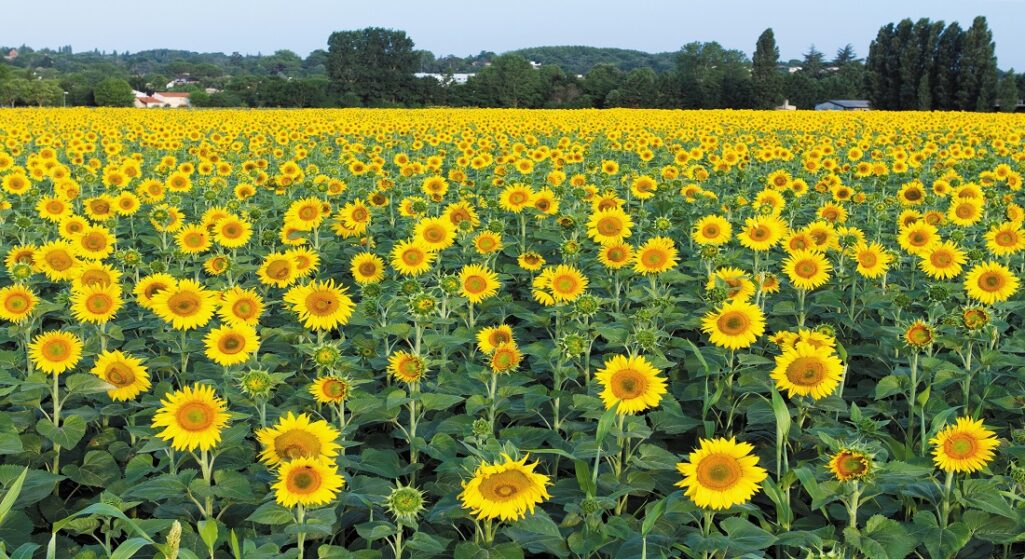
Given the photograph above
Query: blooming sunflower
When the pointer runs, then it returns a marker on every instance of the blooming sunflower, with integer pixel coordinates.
(478, 283)
(411, 258)
(712, 230)
(297, 436)
(656, 255)
(149, 286)
(632, 382)
(435, 233)
(96, 303)
(231, 345)
(762, 233)
(487, 242)
(506, 357)
(615, 255)
(873, 260)
(850, 465)
(407, 367)
(232, 232)
(330, 389)
(942, 260)
(367, 268)
(609, 225)
(807, 270)
(918, 238)
(55, 351)
(530, 261)
(17, 303)
(240, 306)
(320, 305)
(193, 239)
(990, 282)
(504, 490)
(191, 418)
(566, 283)
(185, 305)
(278, 269)
(57, 259)
(492, 336)
(1005, 238)
(737, 283)
(966, 446)
(734, 325)
(721, 473)
(307, 481)
(806, 370)
(124, 372)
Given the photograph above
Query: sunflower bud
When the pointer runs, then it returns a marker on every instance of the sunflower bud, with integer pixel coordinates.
(482, 428)
(257, 384)
(647, 339)
(326, 356)
(590, 505)
(409, 287)
(405, 503)
(450, 284)
(587, 305)
(570, 248)
(21, 272)
(938, 293)
(573, 345)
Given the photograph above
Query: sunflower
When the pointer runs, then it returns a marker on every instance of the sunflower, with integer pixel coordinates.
(149, 286)
(307, 481)
(411, 258)
(918, 238)
(435, 233)
(721, 473)
(306, 261)
(491, 337)
(990, 282)
(193, 239)
(762, 233)
(806, 370)
(919, 334)
(57, 259)
(55, 351)
(240, 306)
(367, 268)
(96, 303)
(278, 269)
(1005, 238)
(530, 261)
(297, 436)
(712, 230)
(231, 345)
(736, 282)
(965, 211)
(516, 197)
(873, 260)
(487, 242)
(94, 273)
(632, 382)
(615, 256)
(478, 283)
(124, 372)
(850, 465)
(807, 270)
(330, 389)
(185, 305)
(232, 232)
(942, 260)
(17, 303)
(967, 446)
(566, 283)
(191, 418)
(609, 225)
(96, 242)
(734, 325)
(407, 367)
(506, 357)
(320, 305)
(504, 490)
(656, 255)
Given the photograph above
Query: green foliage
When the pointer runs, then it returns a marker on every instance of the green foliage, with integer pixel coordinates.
(113, 92)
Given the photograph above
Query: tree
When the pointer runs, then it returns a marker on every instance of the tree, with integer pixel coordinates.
(636, 91)
(599, 82)
(374, 64)
(510, 81)
(978, 82)
(14, 90)
(113, 92)
(845, 55)
(711, 77)
(1007, 92)
(814, 62)
(767, 81)
(946, 75)
(43, 92)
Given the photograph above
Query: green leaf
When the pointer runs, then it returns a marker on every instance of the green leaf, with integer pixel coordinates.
(984, 494)
(941, 543)
(433, 401)
(83, 383)
(10, 443)
(651, 516)
(67, 435)
(98, 469)
(537, 533)
(12, 495)
(744, 537)
(584, 480)
(427, 545)
(129, 548)
(888, 386)
(101, 509)
(697, 353)
(605, 425)
(208, 532)
(782, 414)
(881, 538)
(272, 514)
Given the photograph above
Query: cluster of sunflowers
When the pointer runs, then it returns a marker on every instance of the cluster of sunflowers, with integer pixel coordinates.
(495, 333)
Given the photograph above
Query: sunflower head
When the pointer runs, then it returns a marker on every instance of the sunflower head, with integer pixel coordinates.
(405, 502)
(504, 490)
(851, 464)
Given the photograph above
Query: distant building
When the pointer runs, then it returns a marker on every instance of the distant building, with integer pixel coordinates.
(180, 81)
(786, 106)
(446, 79)
(1019, 108)
(11, 54)
(844, 105)
(169, 99)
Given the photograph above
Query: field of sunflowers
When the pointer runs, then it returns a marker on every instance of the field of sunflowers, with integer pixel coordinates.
(503, 334)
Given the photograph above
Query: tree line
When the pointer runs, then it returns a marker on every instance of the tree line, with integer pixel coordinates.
(910, 65)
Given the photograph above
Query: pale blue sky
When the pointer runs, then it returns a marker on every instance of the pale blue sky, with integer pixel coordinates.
(465, 27)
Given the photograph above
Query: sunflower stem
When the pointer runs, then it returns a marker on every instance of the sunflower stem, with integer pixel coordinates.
(947, 486)
(852, 507)
(911, 400)
(56, 417)
(299, 521)
(707, 521)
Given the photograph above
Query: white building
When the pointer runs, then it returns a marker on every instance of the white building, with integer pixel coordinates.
(169, 99)
(446, 79)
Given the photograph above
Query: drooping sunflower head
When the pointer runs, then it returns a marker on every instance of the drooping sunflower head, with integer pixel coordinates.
(504, 490)
(721, 473)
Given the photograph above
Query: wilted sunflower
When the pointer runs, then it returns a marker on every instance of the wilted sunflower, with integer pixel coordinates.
(632, 382)
(307, 481)
(504, 490)
(185, 305)
(55, 351)
(806, 370)
(17, 303)
(297, 436)
(321, 305)
(231, 345)
(124, 372)
(478, 283)
(967, 446)
(191, 418)
(734, 325)
(721, 473)
(990, 282)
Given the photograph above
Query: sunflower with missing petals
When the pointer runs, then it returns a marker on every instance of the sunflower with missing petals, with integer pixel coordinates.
(191, 418)
(632, 382)
(407, 367)
(734, 325)
(990, 282)
(55, 351)
(966, 446)
(307, 482)
(297, 436)
(321, 305)
(504, 490)
(17, 303)
(806, 370)
(478, 283)
(185, 305)
(807, 270)
(231, 345)
(656, 255)
(125, 373)
(721, 473)
(96, 304)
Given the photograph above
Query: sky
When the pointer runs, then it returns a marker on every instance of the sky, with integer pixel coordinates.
(464, 27)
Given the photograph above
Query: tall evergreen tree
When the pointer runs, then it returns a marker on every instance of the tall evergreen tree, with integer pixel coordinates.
(767, 81)
(882, 69)
(978, 83)
(946, 74)
(1007, 92)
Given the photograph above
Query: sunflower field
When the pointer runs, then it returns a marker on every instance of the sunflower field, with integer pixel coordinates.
(503, 334)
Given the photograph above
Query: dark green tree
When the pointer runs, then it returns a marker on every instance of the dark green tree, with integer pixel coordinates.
(375, 65)
(510, 81)
(113, 92)
(599, 82)
(636, 91)
(1007, 92)
(946, 71)
(977, 91)
(765, 75)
